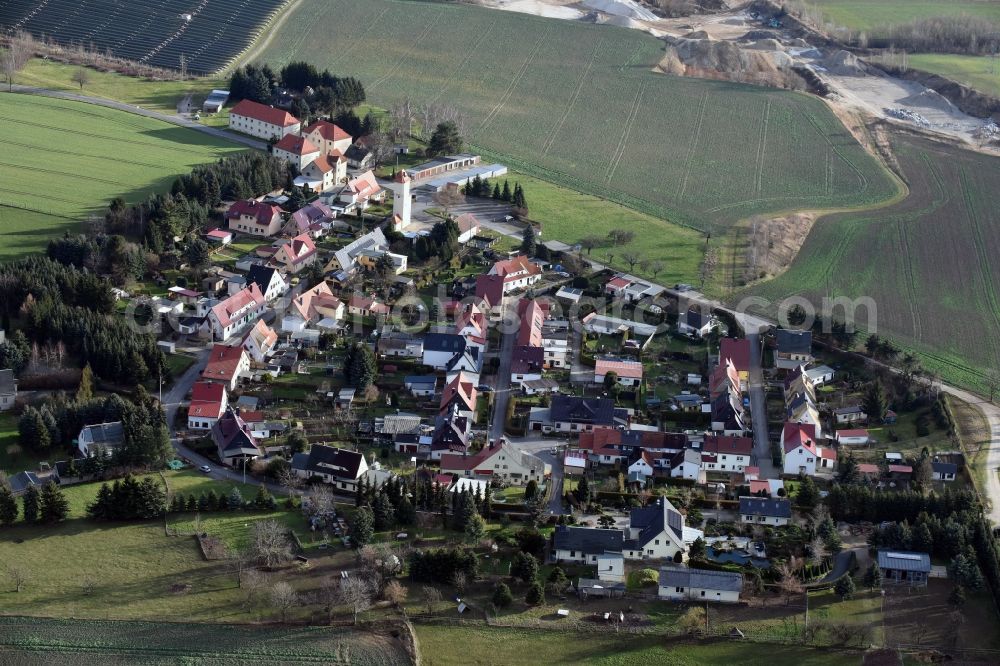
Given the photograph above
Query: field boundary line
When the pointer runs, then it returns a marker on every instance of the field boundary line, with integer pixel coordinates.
(27, 167)
(4, 204)
(514, 82)
(762, 146)
(572, 103)
(694, 146)
(268, 29)
(461, 65)
(626, 131)
(409, 51)
(981, 255)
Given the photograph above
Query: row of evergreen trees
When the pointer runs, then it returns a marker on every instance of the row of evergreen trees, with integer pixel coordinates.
(128, 499)
(213, 501)
(480, 187)
(48, 505)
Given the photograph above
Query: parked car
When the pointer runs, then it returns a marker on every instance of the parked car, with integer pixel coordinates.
(206, 469)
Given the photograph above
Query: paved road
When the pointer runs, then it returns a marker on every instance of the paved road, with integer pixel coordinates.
(502, 388)
(165, 117)
(758, 411)
(541, 447)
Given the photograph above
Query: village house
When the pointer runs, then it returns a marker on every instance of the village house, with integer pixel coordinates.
(340, 468)
(234, 440)
(399, 344)
(517, 273)
(236, 312)
(737, 352)
(684, 584)
(441, 348)
(296, 254)
(555, 342)
(313, 307)
(943, 471)
(226, 364)
(255, 218)
(314, 219)
(576, 414)
(765, 511)
(208, 404)
(100, 437)
(687, 464)
(460, 395)
(357, 194)
(850, 414)
(219, 236)
(792, 348)
(598, 323)
(526, 364)
(727, 413)
(695, 322)
(503, 462)
(731, 454)
(328, 138)
(801, 453)
(346, 258)
(628, 373)
(269, 280)
(421, 386)
(259, 342)
(819, 375)
(450, 435)
(468, 227)
(296, 150)
(262, 121)
(8, 390)
(856, 437)
(655, 532)
(367, 306)
(584, 545)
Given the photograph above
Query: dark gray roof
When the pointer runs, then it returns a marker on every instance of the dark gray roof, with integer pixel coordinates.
(794, 342)
(261, 275)
(695, 318)
(945, 468)
(904, 560)
(598, 411)
(724, 581)
(7, 384)
(20, 482)
(765, 506)
(232, 435)
(420, 379)
(589, 540)
(853, 409)
(654, 519)
(106, 434)
(330, 460)
(444, 342)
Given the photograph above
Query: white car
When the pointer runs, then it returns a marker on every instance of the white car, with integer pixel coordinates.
(206, 469)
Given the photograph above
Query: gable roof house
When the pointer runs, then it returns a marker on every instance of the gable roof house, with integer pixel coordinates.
(106, 437)
(687, 464)
(684, 584)
(208, 404)
(655, 532)
(340, 468)
(450, 435)
(568, 413)
(517, 273)
(312, 307)
(295, 255)
(801, 452)
(232, 315)
(399, 344)
(728, 414)
(468, 227)
(441, 348)
(943, 471)
(732, 454)
(526, 364)
(8, 390)
(269, 280)
(345, 259)
(262, 121)
(357, 194)
(323, 173)
(328, 137)
(504, 462)
(255, 218)
(259, 342)
(234, 439)
(737, 350)
(489, 288)
(792, 348)
(296, 150)
(904, 567)
(695, 322)
(765, 510)
(585, 544)
(314, 219)
(459, 393)
(226, 365)
(629, 372)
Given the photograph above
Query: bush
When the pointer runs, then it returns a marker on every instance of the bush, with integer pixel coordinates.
(643, 578)
(502, 596)
(535, 595)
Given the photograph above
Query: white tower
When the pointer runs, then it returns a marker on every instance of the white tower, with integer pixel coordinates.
(401, 201)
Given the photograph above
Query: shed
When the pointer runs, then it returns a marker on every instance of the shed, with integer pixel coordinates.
(902, 567)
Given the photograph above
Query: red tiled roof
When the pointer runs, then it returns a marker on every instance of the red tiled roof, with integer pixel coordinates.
(219, 233)
(322, 164)
(621, 367)
(297, 145)
(327, 130)
(900, 469)
(511, 268)
(252, 417)
(760, 486)
(800, 434)
(462, 389)
(207, 400)
(741, 446)
(263, 212)
(859, 432)
(618, 283)
(364, 186)
(868, 468)
(828, 453)
(263, 113)
(736, 350)
(490, 289)
(223, 363)
(247, 296)
(532, 318)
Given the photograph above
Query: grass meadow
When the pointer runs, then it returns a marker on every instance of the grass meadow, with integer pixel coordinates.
(62, 161)
(979, 72)
(878, 14)
(926, 262)
(579, 105)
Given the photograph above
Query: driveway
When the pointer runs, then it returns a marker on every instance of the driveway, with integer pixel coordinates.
(502, 389)
(758, 411)
(541, 447)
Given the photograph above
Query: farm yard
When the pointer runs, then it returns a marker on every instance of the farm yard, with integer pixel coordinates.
(48, 641)
(926, 261)
(579, 105)
(208, 36)
(63, 161)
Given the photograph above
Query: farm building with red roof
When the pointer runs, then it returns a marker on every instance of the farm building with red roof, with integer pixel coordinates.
(262, 121)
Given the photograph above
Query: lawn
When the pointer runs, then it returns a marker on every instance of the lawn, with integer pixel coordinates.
(13, 458)
(63, 161)
(147, 93)
(925, 263)
(979, 72)
(445, 645)
(578, 104)
(47, 641)
(875, 14)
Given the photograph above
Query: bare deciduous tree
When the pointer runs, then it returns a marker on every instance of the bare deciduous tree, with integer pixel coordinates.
(459, 580)
(81, 77)
(431, 595)
(788, 581)
(252, 581)
(283, 597)
(18, 576)
(357, 594)
(394, 593)
(448, 198)
(19, 50)
(631, 259)
(270, 543)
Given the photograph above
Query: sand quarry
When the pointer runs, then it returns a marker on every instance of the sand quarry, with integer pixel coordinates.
(707, 41)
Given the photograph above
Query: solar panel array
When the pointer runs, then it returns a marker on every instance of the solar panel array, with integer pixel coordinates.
(207, 33)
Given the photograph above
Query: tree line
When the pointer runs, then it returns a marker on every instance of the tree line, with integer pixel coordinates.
(320, 93)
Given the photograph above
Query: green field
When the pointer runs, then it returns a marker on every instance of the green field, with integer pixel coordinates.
(442, 645)
(579, 105)
(928, 262)
(29, 641)
(979, 72)
(873, 14)
(63, 161)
